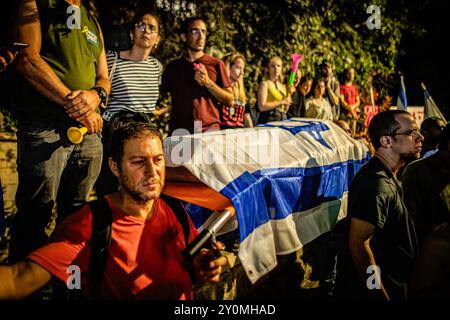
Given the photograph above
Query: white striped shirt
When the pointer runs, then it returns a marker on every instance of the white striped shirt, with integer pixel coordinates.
(135, 84)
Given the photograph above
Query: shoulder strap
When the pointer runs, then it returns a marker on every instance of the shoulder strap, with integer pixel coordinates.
(101, 239)
(181, 214)
(113, 68)
(111, 73)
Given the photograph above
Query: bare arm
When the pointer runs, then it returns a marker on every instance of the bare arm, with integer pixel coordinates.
(334, 96)
(358, 102)
(248, 120)
(359, 244)
(223, 95)
(344, 103)
(263, 105)
(29, 62)
(22, 279)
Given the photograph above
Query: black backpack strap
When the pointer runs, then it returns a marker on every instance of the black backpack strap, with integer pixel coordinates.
(181, 214)
(101, 239)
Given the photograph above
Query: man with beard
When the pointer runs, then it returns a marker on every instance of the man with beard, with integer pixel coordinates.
(380, 237)
(144, 259)
(197, 83)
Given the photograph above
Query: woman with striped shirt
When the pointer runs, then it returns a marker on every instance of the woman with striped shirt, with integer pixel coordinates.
(134, 74)
(135, 78)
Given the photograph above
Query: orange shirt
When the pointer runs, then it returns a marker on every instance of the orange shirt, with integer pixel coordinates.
(144, 258)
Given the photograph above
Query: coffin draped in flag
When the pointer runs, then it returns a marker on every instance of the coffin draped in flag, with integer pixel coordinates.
(287, 181)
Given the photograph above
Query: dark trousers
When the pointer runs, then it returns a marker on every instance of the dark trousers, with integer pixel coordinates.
(55, 179)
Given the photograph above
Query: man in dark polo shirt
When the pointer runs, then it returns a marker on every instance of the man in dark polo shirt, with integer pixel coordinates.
(381, 242)
(197, 83)
(65, 80)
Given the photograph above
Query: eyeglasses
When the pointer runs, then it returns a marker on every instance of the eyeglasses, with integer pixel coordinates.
(412, 133)
(196, 32)
(141, 26)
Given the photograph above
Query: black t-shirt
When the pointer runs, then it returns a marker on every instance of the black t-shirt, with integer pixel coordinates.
(426, 184)
(375, 196)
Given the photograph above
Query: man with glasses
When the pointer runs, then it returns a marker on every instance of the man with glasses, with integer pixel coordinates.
(380, 243)
(197, 83)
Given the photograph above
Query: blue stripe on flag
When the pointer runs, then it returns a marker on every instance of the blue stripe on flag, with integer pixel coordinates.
(276, 193)
(402, 102)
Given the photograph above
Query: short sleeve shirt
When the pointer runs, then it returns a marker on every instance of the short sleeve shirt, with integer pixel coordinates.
(190, 101)
(144, 258)
(375, 196)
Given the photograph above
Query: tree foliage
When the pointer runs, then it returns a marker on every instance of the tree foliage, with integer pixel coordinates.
(333, 30)
(320, 30)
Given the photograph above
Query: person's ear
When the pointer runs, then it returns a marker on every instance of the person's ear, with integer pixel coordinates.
(113, 167)
(156, 43)
(183, 37)
(386, 141)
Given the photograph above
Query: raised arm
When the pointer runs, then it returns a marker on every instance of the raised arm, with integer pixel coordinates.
(223, 95)
(334, 95)
(21, 279)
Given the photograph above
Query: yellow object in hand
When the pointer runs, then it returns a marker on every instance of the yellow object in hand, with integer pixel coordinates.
(75, 134)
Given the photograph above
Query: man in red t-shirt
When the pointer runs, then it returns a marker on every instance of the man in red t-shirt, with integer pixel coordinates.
(144, 259)
(197, 83)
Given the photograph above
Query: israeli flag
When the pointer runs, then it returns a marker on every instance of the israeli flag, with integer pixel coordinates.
(402, 103)
(288, 181)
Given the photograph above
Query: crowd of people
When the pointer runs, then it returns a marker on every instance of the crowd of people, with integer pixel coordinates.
(71, 80)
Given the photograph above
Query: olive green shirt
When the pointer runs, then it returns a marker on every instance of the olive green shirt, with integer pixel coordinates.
(72, 53)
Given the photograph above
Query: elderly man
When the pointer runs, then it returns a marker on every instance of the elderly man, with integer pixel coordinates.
(144, 258)
(382, 243)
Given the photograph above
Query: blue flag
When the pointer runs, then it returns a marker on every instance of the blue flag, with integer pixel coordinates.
(402, 103)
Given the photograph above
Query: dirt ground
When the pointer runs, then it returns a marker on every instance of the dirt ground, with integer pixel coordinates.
(9, 180)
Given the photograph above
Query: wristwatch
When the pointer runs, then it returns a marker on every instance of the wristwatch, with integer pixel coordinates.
(103, 95)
